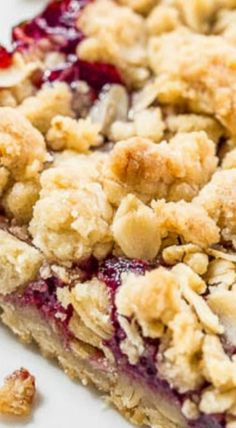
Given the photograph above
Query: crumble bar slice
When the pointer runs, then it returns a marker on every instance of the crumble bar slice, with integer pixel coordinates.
(117, 225)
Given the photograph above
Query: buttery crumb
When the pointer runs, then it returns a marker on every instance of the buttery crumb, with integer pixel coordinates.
(17, 394)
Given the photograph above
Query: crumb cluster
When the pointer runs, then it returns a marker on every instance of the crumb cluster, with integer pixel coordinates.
(145, 170)
(17, 393)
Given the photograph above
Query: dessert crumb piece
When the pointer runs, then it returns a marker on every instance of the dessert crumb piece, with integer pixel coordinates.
(17, 393)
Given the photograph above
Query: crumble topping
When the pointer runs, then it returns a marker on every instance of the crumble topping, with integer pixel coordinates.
(218, 199)
(174, 170)
(116, 35)
(162, 19)
(194, 123)
(91, 303)
(137, 297)
(21, 160)
(143, 167)
(66, 133)
(17, 393)
(185, 62)
(187, 220)
(72, 216)
(19, 263)
(190, 254)
(49, 102)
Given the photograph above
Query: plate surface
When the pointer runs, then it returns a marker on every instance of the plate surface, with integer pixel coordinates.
(61, 403)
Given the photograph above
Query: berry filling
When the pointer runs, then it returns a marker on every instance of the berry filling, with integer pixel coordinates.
(56, 26)
(5, 58)
(55, 29)
(42, 294)
(95, 74)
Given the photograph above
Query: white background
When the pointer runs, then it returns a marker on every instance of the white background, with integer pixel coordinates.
(60, 402)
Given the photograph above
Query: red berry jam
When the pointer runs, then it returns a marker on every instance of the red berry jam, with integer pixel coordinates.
(111, 269)
(95, 74)
(56, 29)
(42, 294)
(5, 58)
(57, 25)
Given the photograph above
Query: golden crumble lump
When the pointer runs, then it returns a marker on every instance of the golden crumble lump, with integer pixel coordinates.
(138, 297)
(135, 229)
(197, 14)
(187, 220)
(181, 361)
(195, 122)
(218, 199)
(116, 35)
(190, 409)
(229, 161)
(176, 253)
(219, 369)
(72, 224)
(91, 303)
(71, 220)
(163, 18)
(20, 263)
(185, 62)
(70, 169)
(148, 123)
(46, 104)
(225, 25)
(174, 170)
(197, 261)
(214, 401)
(66, 133)
(121, 131)
(17, 394)
(190, 254)
(18, 201)
(22, 147)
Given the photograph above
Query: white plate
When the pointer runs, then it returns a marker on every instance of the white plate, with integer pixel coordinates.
(61, 403)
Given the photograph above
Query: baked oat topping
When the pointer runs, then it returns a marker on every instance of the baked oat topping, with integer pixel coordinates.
(117, 185)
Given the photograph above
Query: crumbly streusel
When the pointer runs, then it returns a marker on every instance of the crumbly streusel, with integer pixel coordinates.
(144, 168)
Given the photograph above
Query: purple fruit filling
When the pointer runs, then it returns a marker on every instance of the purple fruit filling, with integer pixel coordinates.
(56, 25)
(111, 269)
(95, 74)
(42, 294)
(55, 29)
(5, 58)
